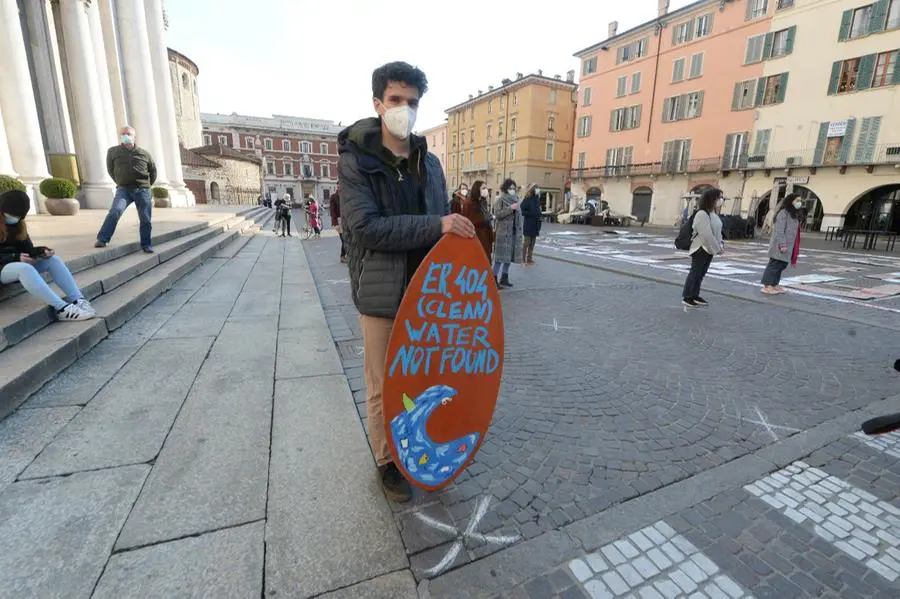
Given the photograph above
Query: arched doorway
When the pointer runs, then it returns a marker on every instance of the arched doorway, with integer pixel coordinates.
(812, 207)
(214, 191)
(641, 200)
(877, 210)
(594, 193)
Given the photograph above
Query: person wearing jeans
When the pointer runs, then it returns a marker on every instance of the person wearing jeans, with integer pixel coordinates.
(784, 246)
(133, 170)
(706, 243)
(22, 262)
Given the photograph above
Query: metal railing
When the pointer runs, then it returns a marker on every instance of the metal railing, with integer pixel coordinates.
(697, 165)
(476, 168)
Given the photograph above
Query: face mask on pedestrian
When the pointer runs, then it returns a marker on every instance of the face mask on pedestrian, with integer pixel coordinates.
(720, 202)
(512, 191)
(399, 120)
(798, 204)
(11, 220)
(126, 139)
(537, 191)
(484, 193)
(464, 192)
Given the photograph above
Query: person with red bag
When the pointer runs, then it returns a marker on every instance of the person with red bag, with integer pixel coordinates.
(784, 246)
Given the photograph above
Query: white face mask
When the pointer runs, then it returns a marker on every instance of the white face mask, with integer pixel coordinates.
(11, 220)
(400, 121)
(798, 204)
(512, 191)
(720, 202)
(463, 192)
(484, 193)
(127, 139)
(537, 191)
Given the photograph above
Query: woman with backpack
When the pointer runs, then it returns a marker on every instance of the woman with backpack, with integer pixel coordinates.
(784, 246)
(706, 242)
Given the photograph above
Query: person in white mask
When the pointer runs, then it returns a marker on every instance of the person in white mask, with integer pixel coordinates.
(394, 209)
(784, 246)
(706, 243)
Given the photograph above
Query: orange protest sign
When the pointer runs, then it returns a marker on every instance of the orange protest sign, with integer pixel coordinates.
(444, 362)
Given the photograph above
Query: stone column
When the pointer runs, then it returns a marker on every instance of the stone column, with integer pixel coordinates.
(140, 89)
(111, 47)
(91, 137)
(17, 104)
(6, 165)
(108, 115)
(165, 103)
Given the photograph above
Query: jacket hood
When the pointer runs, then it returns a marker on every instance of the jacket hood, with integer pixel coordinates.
(364, 137)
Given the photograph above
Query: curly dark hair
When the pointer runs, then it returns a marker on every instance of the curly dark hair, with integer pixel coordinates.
(398, 71)
(507, 184)
(708, 199)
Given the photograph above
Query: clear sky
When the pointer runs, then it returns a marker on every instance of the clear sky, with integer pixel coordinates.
(315, 59)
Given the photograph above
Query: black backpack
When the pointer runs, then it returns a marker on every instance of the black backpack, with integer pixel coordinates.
(686, 233)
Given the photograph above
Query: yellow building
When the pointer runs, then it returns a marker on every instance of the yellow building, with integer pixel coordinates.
(522, 130)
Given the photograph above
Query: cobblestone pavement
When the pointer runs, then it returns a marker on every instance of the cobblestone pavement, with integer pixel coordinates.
(611, 392)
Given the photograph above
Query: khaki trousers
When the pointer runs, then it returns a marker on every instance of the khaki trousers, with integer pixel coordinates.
(376, 336)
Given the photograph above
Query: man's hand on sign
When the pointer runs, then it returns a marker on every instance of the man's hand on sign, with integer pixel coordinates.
(458, 225)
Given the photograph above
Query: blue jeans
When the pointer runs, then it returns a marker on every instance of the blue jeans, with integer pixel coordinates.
(501, 269)
(30, 278)
(124, 197)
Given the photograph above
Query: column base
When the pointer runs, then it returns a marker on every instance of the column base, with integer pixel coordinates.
(182, 198)
(96, 196)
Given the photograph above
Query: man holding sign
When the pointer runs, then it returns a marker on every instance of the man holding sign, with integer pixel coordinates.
(393, 211)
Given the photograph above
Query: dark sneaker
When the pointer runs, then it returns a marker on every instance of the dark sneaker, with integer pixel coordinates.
(689, 303)
(395, 486)
(100, 244)
(148, 250)
(504, 282)
(701, 302)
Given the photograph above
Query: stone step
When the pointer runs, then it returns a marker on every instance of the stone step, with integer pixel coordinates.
(24, 315)
(28, 365)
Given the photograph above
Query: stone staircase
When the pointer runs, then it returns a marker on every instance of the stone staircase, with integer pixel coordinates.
(119, 281)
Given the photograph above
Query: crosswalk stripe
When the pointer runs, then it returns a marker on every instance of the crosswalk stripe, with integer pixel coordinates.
(852, 520)
(653, 563)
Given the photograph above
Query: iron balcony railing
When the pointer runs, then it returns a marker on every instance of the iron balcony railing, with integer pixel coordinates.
(697, 165)
(476, 168)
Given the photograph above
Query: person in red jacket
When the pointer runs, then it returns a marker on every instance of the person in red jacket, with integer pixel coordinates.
(334, 206)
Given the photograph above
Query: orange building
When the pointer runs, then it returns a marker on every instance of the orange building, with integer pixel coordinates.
(668, 107)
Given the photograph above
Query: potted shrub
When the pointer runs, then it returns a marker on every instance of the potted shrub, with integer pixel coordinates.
(60, 194)
(160, 197)
(8, 183)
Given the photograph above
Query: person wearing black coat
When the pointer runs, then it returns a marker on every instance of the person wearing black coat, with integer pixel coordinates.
(531, 215)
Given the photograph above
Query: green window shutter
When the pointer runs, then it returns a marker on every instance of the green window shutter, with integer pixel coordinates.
(791, 36)
(745, 149)
(760, 91)
(749, 10)
(896, 80)
(736, 96)
(847, 143)
(629, 155)
(879, 16)
(846, 21)
(782, 88)
(682, 107)
(690, 30)
(675, 35)
(767, 46)
(820, 144)
(766, 136)
(866, 71)
(637, 114)
(729, 150)
(667, 106)
(667, 154)
(685, 154)
(612, 121)
(864, 129)
(700, 103)
(836, 78)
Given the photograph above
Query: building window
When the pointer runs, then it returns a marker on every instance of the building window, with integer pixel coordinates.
(683, 107)
(454, 141)
(453, 161)
(499, 153)
(582, 158)
(683, 32)
(893, 15)
(551, 123)
(635, 83)
(678, 70)
(500, 129)
(849, 76)
(512, 151)
(757, 8)
(744, 95)
(735, 154)
(472, 136)
(885, 67)
(622, 119)
(584, 126)
(463, 116)
(487, 155)
(307, 170)
(553, 96)
(755, 47)
(782, 4)
(632, 51)
(487, 134)
(207, 140)
(305, 147)
(676, 155)
(587, 67)
(550, 150)
(515, 98)
(490, 106)
(696, 66)
(462, 139)
(617, 161)
(859, 25)
(472, 113)
(267, 144)
(270, 168)
(248, 143)
(325, 170)
(323, 147)
(780, 43)
(184, 81)
(286, 145)
(471, 158)
(703, 25)
(774, 91)
(288, 169)
(587, 97)
(223, 140)
(621, 86)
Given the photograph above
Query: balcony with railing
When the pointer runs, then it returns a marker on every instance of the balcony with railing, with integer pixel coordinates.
(481, 167)
(836, 155)
(670, 167)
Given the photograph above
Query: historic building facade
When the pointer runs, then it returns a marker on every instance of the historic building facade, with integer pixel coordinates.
(74, 71)
(757, 97)
(183, 72)
(299, 155)
(436, 137)
(522, 130)
(222, 175)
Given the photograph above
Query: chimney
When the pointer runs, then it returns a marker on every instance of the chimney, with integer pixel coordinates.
(540, 73)
(506, 81)
(613, 27)
(519, 75)
(480, 92)
(471, 96)
(557, 77)
(663, 8)
(490, 88)
(570, 76)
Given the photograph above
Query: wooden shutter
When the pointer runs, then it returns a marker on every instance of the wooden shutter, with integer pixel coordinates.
(868, 138)
(847, 143)
(749, 10)
(689, 34)
(590, 123)
(866, 71)
(820, 144)
(846, 21)
(765, 137)
(835, 80)
(636, 115)
(610, 156)
(696, 65)
(709, 26)
(729, 150)
(864, 128)
(879, 16)
(612, 121)
(791, 37)
(681, 107)
(745, 149)
(782, 88)
(760, 91)
(767, 46)
(700, 103)
(675, 35)
(685, 154)
(736, 97)
(628, 155)
(667, 106)
(667, 155)
(678, 70)
(747, 53)
(896, 80)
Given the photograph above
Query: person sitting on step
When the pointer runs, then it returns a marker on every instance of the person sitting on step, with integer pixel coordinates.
(21, 261)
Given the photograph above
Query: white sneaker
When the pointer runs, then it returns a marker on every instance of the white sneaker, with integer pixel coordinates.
(86, 306)
(73, 312)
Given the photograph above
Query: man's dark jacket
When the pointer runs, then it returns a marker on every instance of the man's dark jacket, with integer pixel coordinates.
(383, 223)
(130, 168)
